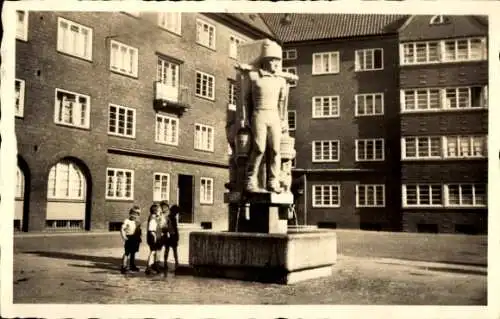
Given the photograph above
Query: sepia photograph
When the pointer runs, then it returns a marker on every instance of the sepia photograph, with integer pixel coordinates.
(169, 155)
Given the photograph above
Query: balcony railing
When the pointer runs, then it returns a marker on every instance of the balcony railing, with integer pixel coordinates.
(176, 99)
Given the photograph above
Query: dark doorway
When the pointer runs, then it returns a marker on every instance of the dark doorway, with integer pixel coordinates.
(185, 200)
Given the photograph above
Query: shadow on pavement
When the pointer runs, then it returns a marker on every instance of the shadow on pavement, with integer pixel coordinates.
(101, 262)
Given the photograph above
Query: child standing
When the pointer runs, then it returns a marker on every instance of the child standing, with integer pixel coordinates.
(153, 239)
(173, 235)
(131, 235)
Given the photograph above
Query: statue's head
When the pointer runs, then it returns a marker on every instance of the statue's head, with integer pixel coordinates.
(271, 56)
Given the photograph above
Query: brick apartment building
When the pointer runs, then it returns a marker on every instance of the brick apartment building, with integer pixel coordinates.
(121, 108)
(390, 119)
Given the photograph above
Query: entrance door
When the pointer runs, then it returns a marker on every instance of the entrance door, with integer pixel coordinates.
(185, 198)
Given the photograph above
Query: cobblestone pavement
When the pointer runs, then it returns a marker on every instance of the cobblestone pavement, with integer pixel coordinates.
(92, 276)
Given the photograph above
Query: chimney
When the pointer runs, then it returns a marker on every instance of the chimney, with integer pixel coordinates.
(287, 19)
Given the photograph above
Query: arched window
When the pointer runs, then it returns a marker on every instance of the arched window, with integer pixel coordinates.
(19, 184)
(66, 181)
(439, 19)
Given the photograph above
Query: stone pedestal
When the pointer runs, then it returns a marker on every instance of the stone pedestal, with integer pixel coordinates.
(272, 258)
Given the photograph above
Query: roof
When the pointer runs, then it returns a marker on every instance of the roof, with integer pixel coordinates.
(295, 27)
(253, 20)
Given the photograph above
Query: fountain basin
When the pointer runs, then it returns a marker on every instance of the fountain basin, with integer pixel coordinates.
(273, 258)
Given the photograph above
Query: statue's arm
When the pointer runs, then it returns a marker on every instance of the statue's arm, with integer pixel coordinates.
(283, 107)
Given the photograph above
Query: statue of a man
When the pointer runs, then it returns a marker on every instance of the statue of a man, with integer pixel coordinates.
(267, 96)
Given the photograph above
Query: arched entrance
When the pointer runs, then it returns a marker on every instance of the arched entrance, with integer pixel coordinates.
(21, 210)
(68, 196)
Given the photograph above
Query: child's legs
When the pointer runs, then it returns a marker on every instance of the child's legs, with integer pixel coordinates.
(151, 257)
(125, 259)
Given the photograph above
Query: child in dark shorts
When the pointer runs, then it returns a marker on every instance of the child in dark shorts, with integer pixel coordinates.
(173, 235)
(131, 235)
(152, 238)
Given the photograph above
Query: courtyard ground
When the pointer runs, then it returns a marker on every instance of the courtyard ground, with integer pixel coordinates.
(373, 268)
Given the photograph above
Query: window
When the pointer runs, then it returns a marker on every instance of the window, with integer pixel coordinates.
(205, 34)
(370, 195)
(72, 109)
(67, 225)
(465, 146)
(19, 183)
(435, 99)
(205, 84)
(22, 25)
(167, 130)
(419, 195)
(170, 21)
(204, 138)
(74, 39)
(457, 50)
(234, 43)
(292, 70)
(123, 58)
(370, 149)
(167, 74)
(292, 120)
(326, 106)
(290, 54)
(326, 195)
(66, 181)
(119, 184)
(439, 19)
(121, 121)
(232, 95)
(326, 151)
(369, 104)
(206, 190)
(422, 147)
(466, 195)
(19, 85)
(369, 60)
(326, 63)
(161, 187)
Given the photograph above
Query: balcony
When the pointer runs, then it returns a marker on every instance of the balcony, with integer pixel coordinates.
(172, 99)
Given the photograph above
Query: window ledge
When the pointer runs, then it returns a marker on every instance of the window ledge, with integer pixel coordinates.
(132, 76)
(205, 98)
(430, 111)
(87, 59)
(119, 199)
(206, 46)
(122, 136)
(72, 126)
(369, 70)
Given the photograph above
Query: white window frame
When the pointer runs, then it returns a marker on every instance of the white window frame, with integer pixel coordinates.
(361, 67)
(333, 58)
(331, 99)
(22, 29)
(208, 77)
(439, 19)
(330, 188)
(173, 27)
(294, 116)
(19, 110)
(429, 187)
(440, 46)
(471, 141)
(161, 194)
(329, 156)
(167, 121)
(232, 95)
(374, 96)
(234, 43)
(366, 188)
(417, 139)
(373, 152)
(125, 108)
(132, 61)
(20, 180)
(59, 175)
(206, 197)
(164, 72)
(289, 54)
(60, 39)
(199, 137)
(205, 40)
(114, 182)
(58, 106)
(292, 70)
(460, 189)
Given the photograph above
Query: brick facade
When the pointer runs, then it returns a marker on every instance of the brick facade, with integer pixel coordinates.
(42, 143)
